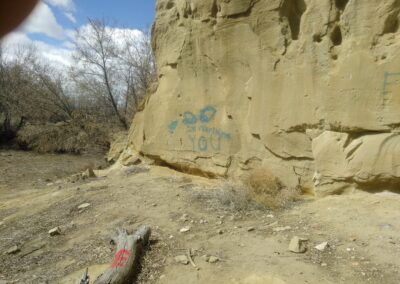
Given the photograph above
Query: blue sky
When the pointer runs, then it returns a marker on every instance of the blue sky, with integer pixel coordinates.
(137, 14)
(71, 14)
(52, 24)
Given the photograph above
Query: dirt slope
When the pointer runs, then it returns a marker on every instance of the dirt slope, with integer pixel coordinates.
(252, 246)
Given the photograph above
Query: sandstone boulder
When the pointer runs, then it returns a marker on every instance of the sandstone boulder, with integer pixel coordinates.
(310, 85)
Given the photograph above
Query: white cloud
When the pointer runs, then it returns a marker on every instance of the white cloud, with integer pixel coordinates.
(70, 17)
(70, 34)
(119, 35)
(42, 20)
(67, 5)
(61, 55)
(57, 56)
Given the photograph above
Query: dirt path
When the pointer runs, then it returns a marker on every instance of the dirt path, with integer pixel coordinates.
(251, 246)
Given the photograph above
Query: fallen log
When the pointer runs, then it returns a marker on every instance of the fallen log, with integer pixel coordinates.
(125, 265)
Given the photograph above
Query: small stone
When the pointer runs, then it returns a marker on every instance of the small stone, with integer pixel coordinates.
(213, 259)
(84, 205)
(154, 204)
(270, 216)
(281, 229)
(184, 230)
(89, 173)
(55, 231)
(322, 246)
(182, 259)
(220, 232)
(324, 264)
(251, 229)
(13, 250)
(273, 224)
(184, 218)
(298, 245)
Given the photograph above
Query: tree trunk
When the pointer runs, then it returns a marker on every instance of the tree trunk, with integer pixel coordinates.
(125, 266)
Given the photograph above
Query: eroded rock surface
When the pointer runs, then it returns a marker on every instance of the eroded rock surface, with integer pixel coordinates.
(308, 88)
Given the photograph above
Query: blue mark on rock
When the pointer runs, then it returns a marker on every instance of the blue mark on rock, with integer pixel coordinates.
(172, 126)
(203, 144)
(189, 118)
(390, 79)
(204, 136)
(207, 114)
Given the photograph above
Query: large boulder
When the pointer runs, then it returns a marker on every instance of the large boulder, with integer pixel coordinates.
(309, 87)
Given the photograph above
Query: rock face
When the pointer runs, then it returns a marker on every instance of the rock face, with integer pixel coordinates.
(308, 88)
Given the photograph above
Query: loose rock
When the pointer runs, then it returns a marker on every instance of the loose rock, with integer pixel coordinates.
(213, 259)
(84, 205)
(182, 259)
(184, 230)
(298, 245)
(55, 231)
(89, 173)
(13, 250)
(184, 218)
(322, 246)
(281, 229)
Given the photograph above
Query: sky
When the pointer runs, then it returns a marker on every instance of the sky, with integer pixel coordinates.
(52, 24)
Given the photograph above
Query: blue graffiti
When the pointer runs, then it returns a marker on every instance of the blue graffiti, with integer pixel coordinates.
(215, 143)
(203, 144)
(207, 114)
(202, 137)
(172, 126)
(390, 79)
(189, 118)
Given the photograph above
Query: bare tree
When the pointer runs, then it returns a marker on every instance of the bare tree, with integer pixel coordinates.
(140, 68)
(16, 85)
(53, 81)
(30, 90)
(118, 67)
(95, 55)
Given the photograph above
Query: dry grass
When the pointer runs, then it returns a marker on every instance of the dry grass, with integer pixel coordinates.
(71, 137)
(260, 190)
(267, 190)
(230, 197)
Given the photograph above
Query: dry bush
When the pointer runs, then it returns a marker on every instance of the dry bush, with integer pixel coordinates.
(230, 197)
(75, 136)
(267, 190)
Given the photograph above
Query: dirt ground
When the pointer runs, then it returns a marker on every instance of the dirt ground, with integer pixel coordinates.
(248, 244)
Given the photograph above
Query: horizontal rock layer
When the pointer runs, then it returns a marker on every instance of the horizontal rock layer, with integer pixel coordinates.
(308, 88)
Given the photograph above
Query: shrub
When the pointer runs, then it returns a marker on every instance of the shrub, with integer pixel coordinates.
(267, 190)
(75, 136)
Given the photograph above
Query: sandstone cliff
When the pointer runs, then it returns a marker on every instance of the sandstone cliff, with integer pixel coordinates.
(308, 88)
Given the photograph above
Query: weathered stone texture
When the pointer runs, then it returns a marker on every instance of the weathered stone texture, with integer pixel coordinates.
(309, 88)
